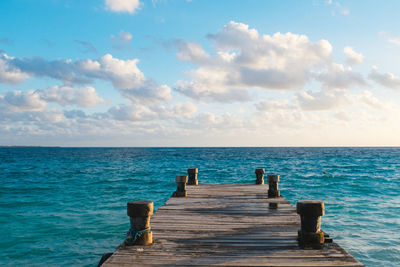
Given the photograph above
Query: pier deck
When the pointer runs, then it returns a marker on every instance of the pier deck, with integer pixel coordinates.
(227, 225)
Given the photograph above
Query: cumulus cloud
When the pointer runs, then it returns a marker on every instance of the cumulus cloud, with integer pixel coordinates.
(75, 113)
(209, 121)
(121, 73)
(323, 100)
(353, 58)
(147, 92)
(209, 91)
(37, 100)
(66, 95)
(8, 73)
(368, 98)
(273, 105)
(187, 109)
(127, 77)
(132, 113)
(245, 59)
(337, 76)
(23, 101)
(387, 79)
(191, 51)
(44, 120)
(129, 6)
(139, 112)
(124, 75)
(60, 69)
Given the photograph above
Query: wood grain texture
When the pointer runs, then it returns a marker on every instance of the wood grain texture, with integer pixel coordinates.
(227, 225)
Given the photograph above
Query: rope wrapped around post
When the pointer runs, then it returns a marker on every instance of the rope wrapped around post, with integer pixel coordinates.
(134, 235)
(139, 232)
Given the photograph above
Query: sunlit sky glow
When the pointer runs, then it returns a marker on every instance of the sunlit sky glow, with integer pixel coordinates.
(199, 73)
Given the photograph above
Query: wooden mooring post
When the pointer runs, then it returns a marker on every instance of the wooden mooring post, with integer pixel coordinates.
(192, 173)
(233, 225)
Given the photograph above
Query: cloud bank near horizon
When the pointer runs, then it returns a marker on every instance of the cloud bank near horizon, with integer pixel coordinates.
(284, 83)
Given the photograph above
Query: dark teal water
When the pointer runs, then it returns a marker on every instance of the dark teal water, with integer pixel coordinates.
(67, 206)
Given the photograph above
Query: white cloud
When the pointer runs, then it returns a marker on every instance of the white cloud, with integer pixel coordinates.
(390, 38)
(66, 95)
(336, 76)
(240, 64)
(343, 116)
(244, 59)
(124, 75)
(44, 120)
(139, 112)
(23, 101)
(186, 110)
(148, 92)
(61, 69)
(387, 79)
(132, 113)
(353, 58)
(368, 98)
(280, 123)
(122, 41)
(323, 100)
(209, 91)
(129, 6)
(10, 74)
(127, 77)
(191, 51)
(208, 121)
(123, 37)
(274, 105)
(36, 100)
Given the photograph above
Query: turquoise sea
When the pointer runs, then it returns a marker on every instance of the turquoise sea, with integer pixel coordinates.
(67, 206)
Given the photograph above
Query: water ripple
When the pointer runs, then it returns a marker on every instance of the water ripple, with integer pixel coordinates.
(67, 206)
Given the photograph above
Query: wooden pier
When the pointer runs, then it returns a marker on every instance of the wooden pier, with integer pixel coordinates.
(227, 225)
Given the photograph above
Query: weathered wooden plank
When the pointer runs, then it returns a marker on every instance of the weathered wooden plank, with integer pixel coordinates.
(227, 225)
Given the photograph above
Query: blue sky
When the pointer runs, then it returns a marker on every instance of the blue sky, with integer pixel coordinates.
(199, 73)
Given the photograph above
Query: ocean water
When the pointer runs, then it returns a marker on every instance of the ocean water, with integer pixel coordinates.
(67, 206)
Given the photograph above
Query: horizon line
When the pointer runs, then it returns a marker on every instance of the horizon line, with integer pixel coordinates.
(57, 146)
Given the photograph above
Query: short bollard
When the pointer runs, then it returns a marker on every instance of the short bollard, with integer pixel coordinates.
(273, 205)
(193, 176)
(140, 231)
(273, 181)
(181, 186)
(260, 176)
(310, 234)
